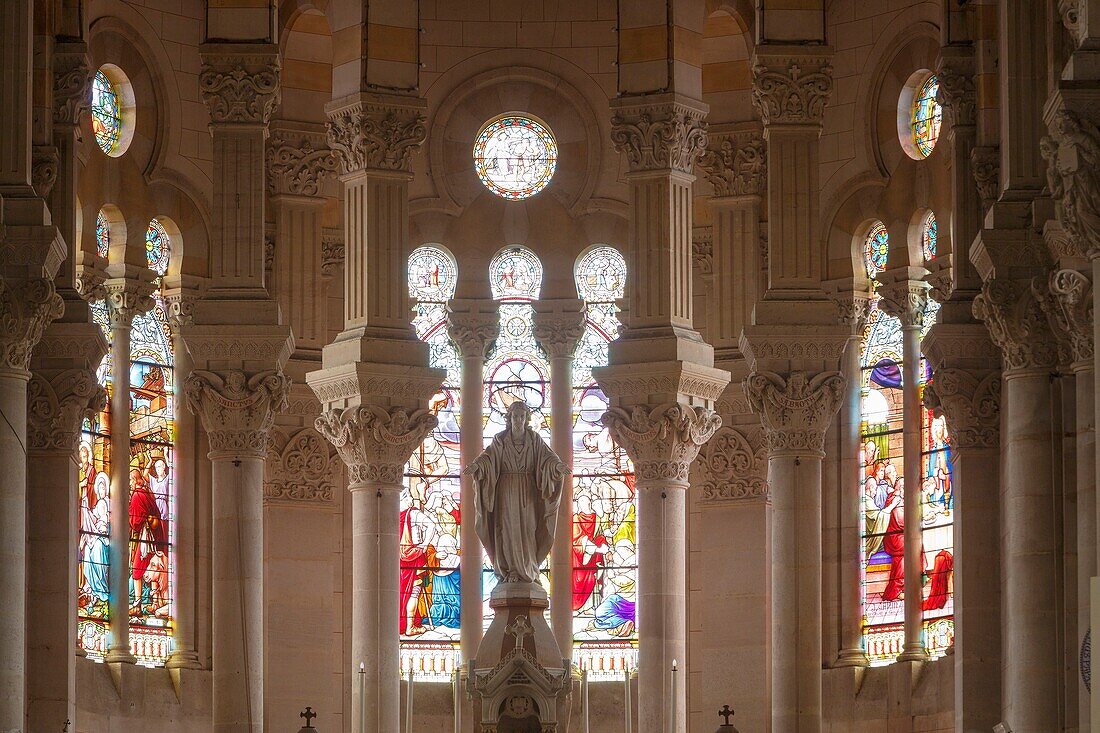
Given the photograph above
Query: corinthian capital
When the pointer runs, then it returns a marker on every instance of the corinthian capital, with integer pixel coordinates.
(72, 83)
(985, 166)
(559, 332)
(956, 89)
(473, 332)
(906, 300)
(376, 132)
(26, 308)
(662, 441)
(1072, 153)
(735, 163)
(56, 405)
(795, 410)
(1017, 324)
(659, 133)
(791, 89)
(297, 162)
(970, 404)
(1066, 298)
(126, 298)
(239, 87)
(237, 411)
(375, 442)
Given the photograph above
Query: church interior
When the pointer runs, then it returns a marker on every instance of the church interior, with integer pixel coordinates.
(795, 296)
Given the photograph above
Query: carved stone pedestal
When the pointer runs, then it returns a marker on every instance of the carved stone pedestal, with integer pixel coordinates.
(519, 681)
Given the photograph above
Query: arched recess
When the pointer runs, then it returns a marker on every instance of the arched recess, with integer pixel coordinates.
(306, 74)
(727, 68)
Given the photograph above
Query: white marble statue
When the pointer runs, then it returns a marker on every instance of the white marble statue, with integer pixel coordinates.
(517, 488)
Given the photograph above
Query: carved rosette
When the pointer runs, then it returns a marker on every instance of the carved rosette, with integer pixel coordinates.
(795, 410)
(297, 162)
(374, 442)
(792, 90)
(376, 136)
(1066, 298)
(558, 333)
(662, 441)
(237, 411)
(300, 467)
(56, 405)
(662, 136)
(985, 166)
(473, 333)
(332, 254)
(733, 465)
(736, 163)
(906, 300)
(240, 88)
(72, 87)
(26, 308)
(956, 93)
(44, 165)
(971, 406)
(1017, 325)
(1072, 153)
(126, 298)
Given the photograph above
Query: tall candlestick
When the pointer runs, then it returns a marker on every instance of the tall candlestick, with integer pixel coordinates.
(672, 722)
(362, 697)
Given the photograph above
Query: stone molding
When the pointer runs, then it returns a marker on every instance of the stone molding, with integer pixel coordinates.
(473, 333)
(558, 333)
(795, 410)
(300, 467)
(1017, 325)
(45, 161)
(736, 163)
(297, 162)
(1072, 152)
(377, 132)
(985, 166)
(1066, 298)
(956, 91)
(126, 298)
(636, 379)
(732, 466)
(659, 133)
(662, 440)
(72, 85)
(906, 300)
(970, 404)
(375, 442)
(237, 411)
(702, 249)
(27, 307)
(791, 89)
(810, 345)
(332, 253)
(240, 88)
(55, 406)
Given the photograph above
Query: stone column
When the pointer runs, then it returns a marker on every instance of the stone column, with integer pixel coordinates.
(905, 297)
(474, 325)
(62, 389)
(559, 325)
(1018, 327)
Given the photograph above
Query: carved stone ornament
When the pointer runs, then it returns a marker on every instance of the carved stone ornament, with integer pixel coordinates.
(72, 87)
(971, 406)
(795, 411)
(732, 466)
(236, 410)
(297, 163)
(1017, 324)
(332, 253)
(852, 309)
(662, 441)
(660, 136)
(558, 333)
(792, 91)
(26, 308)
(375, 442)
(240, 89)
(956, 94)
(1071, 18)
(985, 166)
(375, 136)
(906, 300)
(736, 163)
(56, 405)
(1066, 298)
(473, 333)
(126, 298)
(702, 250)
(44, 165)
(180, 308)
(1072, 153)
(300, 467)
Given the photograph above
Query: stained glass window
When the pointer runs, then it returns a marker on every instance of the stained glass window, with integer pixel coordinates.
(605, 552)
(927, 116)
(102, 234)
(429, 595)
(929, 234)
(515, 156)
(106, 113)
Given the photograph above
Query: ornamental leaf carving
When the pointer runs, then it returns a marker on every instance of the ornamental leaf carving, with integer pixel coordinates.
(297, 163)
(906, 300)
(1066, 298)
(793, 91)
(731, 467)
(375, 136)
(736, 163)
(56, 405)
(299, 467)
(26, 308)
(795, 410)
(969, 403)
(473, 333)
(240, 92)
(558, 333)
(664, 440)
(1017, 324)
(72, 87)
(985, 166)
(374, 442)
(662, 136)
(237, 410)
(956, 94)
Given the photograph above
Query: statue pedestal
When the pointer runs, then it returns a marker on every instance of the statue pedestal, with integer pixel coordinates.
(520, 682)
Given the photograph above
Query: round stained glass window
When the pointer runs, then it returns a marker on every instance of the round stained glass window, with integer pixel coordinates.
(515, 156)
(876, 249)
(926, 117)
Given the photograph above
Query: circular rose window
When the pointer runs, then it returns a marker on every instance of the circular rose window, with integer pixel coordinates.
(515, 156)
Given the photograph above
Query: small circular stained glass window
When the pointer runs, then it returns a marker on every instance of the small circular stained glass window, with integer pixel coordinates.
(927, 115)
(515, 156)
(106, 114)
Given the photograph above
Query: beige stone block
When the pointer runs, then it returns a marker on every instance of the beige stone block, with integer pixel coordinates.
(592, 33)
(545, 34)
(441, 33)
(489, 34)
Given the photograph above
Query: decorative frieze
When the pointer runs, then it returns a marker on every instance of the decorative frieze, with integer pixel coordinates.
(376, 133)
(375, 442)
(795, 410)
(970, 404)
(240, 88)
(56, 405)
(733, 465)
(26, 308)
(297, 162)
(1017, 324)
(735, 163)
(792, 90)
(659, 134)
(237, 410)
(1072, 152)
(300, 467)
(1066, 298)
(662, 441)
(985, 166)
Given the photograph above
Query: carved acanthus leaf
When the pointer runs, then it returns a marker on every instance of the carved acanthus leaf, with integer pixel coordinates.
(702, 250)
(971, 406)
(300, 467)
(126, 298)
(378, 136)
(473, 333)
(662, 136)
(375, 442)
(56, 405)
(332, 253)
(792, 90)
(662, 441)
(795, 410)
(240, 88)
(985, 166)
(44, 166)
(956, 94)
(26, 308)
(237, 410)
(558, 333)
(1017, 324)
(906, 300)
(736, 163)
(1066, 298)
(72, 87)
(298, 162)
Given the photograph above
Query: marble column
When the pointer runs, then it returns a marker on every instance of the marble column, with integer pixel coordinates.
(473, 325)
(559, 325)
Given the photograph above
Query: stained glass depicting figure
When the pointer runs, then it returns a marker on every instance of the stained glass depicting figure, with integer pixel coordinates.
(929, 235)
(927, 117)
(515, 156)
(106, 114)
(102, 234)
(430, 516)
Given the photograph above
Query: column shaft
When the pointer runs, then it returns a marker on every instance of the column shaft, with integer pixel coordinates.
(913, 649)
(118, 573)
(13, 559)
(561, 556)
(16, 28)
(1086, 518)
(470, 560)
(851, 602)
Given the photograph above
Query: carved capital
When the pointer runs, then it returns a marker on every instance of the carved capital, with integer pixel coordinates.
(702, 250)
(852, 309)
(300, 467)
(55, 406)
(956, 92)
(180, 307)
(906, 300)
(558, 333)
(795, 410)
(735, 163)
(297, 162)
(26, 308)
(732, 466)
(1072, 152)
(985, 166)
(126, 298)
(236, 410)
(332, 253)
(72, 86)
(374, 442)
(1066, 298)
(1071, 19)
(44, 165)
(376, 134)
(1017, 324)
(970, 404)
(240, 88)
(664, 135)
(473, 333)
(792, 90)
(662, 441)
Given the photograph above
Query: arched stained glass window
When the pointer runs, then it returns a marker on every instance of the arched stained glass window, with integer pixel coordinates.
(876, 247)
(515, 156)
(102, 234)
(106, 113)
(605, 552)
(429, 597)
(927, 116)
(928, 237)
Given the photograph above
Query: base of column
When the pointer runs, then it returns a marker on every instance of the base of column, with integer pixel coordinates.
(913, 653)
(852, 658)
(119, 656)
(183, 659)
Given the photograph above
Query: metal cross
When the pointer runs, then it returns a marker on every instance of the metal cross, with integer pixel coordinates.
(726, 713)
(309, 715)
(519, 629)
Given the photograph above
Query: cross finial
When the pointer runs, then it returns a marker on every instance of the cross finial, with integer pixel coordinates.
(726, 713)
(519, 629)
(309, 715)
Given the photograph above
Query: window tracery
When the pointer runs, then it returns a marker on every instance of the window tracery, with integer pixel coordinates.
(515, 156)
